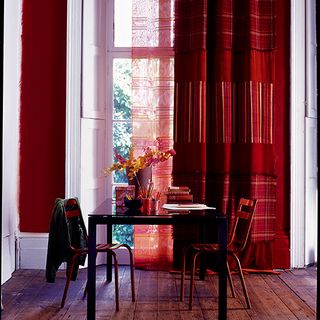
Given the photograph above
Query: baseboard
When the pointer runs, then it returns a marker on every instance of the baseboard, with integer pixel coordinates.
(7, 258)
(32, 252)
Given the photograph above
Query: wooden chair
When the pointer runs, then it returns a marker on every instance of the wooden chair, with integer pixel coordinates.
(73, 211)
(238, 240)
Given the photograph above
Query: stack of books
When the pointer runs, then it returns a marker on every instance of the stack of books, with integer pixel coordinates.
(179, 194)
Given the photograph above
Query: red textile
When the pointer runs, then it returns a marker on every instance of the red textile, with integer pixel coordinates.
(42, 111)
(225, 111)
(240, 25)
(152, 114)
(226, 190)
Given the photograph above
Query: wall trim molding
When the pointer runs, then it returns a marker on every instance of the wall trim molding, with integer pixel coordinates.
(303, 216)
(298, 96)
(12, 28)
(73, 96)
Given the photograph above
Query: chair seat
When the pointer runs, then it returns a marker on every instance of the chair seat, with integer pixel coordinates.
(110, 246)
(207, 247)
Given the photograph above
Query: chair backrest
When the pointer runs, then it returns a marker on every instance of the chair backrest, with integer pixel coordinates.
(74, 216)
(67, 233)
(242, 224)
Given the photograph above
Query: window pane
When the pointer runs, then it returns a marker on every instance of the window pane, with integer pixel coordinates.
(122, 89)
(122, 133)
(122, 23)
(123, 234)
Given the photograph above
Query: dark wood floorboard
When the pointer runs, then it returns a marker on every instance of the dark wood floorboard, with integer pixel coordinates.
(291, 294)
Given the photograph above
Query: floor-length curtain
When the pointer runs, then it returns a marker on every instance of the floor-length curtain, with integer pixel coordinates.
(152, 113)
(224, 110)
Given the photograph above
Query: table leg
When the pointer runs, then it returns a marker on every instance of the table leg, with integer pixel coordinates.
(202, 238)
(109, 256)
(91, 285)
(223, 234)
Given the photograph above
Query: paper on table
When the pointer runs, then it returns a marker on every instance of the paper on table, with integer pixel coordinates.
(190, 206)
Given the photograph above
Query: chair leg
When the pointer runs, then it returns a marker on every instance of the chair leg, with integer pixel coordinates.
(244, 287)
(193, 269)
(66, 288)
(132, 275)
(86, 288)
(116, 278)
(133, 296)
(183, 272)
(230, 281)
(85, 291)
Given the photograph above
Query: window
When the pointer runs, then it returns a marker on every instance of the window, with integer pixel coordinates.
(119, 52)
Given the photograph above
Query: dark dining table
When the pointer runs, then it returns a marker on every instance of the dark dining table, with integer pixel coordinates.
(106, 214)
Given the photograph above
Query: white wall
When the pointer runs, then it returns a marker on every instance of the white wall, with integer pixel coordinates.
(11, 94)
(311, 137)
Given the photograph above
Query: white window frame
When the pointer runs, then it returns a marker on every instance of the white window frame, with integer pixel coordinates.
(302, 81)
(112, 53)
(73, 98)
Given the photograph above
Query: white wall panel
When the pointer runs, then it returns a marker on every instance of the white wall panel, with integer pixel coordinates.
(311, 243)
(11, 102)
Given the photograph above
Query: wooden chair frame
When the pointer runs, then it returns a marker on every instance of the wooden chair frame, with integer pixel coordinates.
(107, 247)
(236, 244)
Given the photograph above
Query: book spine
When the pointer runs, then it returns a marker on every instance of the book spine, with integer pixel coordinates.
(179, 201)
(182, 197)
(184, 188)
(177, 193)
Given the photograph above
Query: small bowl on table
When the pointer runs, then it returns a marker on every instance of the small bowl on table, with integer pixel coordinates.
(133, 204)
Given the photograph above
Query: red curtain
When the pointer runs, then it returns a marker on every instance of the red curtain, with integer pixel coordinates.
(42, 111)
(152, 113)
(224, 115)
(229, 124)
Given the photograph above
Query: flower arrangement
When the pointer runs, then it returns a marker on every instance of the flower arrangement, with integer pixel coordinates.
(150, 157)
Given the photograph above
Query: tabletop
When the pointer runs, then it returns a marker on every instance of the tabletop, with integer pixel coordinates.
(107, 211)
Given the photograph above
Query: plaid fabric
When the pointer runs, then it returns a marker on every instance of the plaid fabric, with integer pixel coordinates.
(242, 24)
(237, 24)
(191, 31)
(225, 190)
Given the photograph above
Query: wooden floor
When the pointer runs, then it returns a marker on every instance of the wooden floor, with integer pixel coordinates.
(288, 295)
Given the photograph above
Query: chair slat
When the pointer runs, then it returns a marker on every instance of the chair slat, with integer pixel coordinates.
(243, 215)
(72, 213)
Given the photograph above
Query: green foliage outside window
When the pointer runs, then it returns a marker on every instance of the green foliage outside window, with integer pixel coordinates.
(123, 234)
(122, 132)
(122, 112)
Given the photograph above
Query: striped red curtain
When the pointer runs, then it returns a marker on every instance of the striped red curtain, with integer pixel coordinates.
(224, 111)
